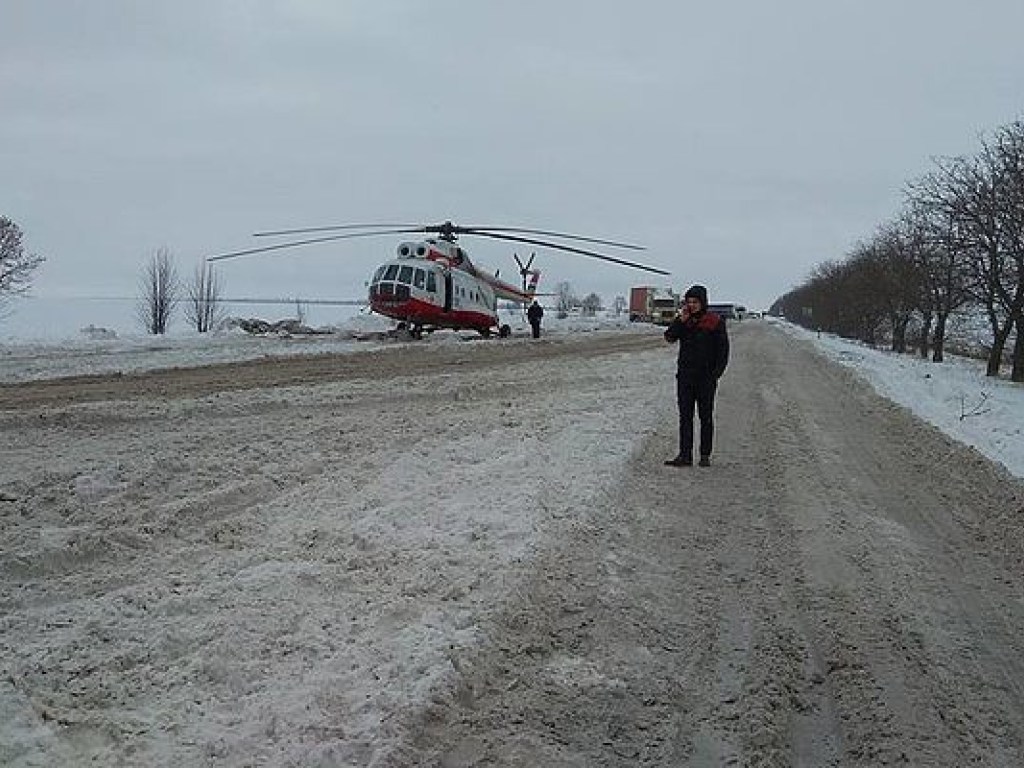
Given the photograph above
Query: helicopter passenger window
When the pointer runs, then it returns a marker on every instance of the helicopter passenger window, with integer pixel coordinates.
(405, 275)
(417, 279)
(392, 270)
(431, 282)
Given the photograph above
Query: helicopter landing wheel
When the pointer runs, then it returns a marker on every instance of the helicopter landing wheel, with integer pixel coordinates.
(504, 331)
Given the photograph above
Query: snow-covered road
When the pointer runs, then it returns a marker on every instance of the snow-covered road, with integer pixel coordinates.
(472, 554)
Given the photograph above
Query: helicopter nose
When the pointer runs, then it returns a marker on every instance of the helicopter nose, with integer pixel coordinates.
(389, 293)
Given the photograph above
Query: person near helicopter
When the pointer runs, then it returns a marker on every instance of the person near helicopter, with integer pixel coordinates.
(534, 314)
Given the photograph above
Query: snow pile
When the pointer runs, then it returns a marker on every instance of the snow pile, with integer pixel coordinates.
(100, 353)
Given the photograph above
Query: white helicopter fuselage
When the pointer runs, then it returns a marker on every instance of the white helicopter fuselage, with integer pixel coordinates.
(433, 284)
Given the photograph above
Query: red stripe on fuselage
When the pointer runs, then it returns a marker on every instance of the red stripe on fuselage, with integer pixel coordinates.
(420, 312)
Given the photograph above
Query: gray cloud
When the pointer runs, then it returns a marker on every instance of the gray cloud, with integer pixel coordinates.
(742, 143)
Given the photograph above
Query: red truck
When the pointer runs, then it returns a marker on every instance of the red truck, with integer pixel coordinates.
(648, 304)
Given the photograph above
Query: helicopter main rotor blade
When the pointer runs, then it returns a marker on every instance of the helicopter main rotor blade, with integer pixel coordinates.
(334, 228)
(570, 249)
(447, 229)
(548, 233)
(310, 241)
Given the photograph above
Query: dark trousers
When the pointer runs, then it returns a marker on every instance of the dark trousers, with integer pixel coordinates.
(702, 394)
(535, 327)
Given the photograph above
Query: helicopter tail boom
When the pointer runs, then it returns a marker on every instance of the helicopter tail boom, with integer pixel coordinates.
(509, 292)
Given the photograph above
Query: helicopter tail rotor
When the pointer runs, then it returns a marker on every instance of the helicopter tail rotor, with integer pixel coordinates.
(531, 275)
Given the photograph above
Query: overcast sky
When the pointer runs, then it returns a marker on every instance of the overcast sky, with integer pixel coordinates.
(741, 142)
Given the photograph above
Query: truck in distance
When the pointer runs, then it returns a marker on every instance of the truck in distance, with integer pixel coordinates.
(649, 304)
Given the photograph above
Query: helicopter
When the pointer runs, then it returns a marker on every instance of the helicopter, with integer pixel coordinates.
(433, 284)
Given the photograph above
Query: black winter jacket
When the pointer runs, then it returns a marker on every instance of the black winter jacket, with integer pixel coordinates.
(703, 346)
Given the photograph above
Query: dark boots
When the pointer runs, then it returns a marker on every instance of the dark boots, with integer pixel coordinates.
(687, 461)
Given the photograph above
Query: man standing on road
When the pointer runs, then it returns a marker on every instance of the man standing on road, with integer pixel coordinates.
(703, 356)
(534, 315)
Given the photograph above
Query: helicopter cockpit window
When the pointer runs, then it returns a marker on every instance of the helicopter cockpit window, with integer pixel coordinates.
(405, 275)
(431, 282)
(391, 272)
(378, 274)
(417, 279)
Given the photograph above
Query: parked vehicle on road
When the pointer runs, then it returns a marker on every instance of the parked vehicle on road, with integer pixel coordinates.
(648, 304)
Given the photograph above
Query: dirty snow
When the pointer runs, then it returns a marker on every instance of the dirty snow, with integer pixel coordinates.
(955, 395)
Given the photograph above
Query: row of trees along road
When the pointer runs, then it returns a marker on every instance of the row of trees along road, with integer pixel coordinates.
(957, 243)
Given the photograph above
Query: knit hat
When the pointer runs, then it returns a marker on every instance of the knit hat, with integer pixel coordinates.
(698, 292)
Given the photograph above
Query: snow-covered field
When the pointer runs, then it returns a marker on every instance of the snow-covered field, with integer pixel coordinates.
(91, 353)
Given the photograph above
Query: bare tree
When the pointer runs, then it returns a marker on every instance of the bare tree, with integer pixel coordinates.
(941, 254)
(203, 307)
(565, 300)
(1009, 148)
(16, 266)
(591, 304)
(985, 196)
(160, 291)
(899, 284)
